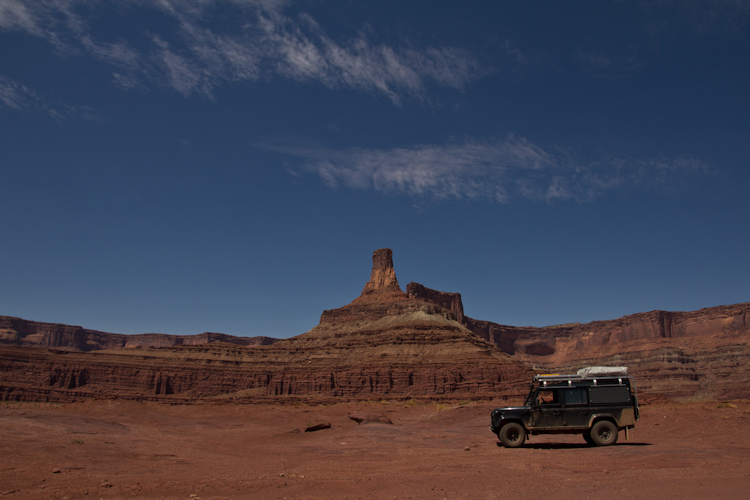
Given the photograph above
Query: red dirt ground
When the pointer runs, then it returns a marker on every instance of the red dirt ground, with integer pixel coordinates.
(122, 449)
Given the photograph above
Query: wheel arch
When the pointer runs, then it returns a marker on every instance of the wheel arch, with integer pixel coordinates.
(515, 420)
(603, 416)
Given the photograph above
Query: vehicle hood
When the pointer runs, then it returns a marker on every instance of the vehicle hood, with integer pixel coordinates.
(512, 408)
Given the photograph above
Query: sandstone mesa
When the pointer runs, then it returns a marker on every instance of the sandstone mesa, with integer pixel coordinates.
(386, 344)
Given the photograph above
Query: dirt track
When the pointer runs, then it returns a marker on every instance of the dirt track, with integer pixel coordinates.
(119, 449)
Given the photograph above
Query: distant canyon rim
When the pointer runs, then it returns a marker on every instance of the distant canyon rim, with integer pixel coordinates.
(386, 344)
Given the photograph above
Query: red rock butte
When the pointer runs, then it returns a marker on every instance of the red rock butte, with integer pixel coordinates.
(385, 344)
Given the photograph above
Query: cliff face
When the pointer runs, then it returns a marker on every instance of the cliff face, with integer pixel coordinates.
(382, 345)
(729, 320)
(446, 300)
(20, 332)
(698, 354)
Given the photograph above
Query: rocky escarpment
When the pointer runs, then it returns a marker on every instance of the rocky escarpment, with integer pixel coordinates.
(384, 344)
(388, 344)
(668, 369)
(446, 300)
(678, 355)
(698, 354)
(20, 332)
(500, 335)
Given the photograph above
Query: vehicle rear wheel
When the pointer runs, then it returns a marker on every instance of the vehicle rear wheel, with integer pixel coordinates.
(604, 433)
(512, 435)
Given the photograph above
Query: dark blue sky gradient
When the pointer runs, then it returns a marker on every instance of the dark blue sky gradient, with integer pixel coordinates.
(553, 163)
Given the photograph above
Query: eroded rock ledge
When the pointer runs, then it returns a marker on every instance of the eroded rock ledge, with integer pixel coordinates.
(21, 332)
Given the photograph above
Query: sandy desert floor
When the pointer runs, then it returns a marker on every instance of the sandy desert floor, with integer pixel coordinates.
(123, 449)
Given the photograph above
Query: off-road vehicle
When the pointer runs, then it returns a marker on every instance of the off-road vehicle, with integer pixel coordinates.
(597, 402)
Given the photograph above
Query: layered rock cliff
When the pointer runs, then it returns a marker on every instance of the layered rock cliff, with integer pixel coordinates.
(384, 344)
(675, 355)
(446, 300)
(20, 332)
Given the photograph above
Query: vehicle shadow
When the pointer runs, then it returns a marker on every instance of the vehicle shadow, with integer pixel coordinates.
(572, 446)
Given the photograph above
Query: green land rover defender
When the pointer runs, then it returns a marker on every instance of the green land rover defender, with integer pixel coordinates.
(597, 402)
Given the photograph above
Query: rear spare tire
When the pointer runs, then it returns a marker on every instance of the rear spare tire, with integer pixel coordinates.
(512, 435)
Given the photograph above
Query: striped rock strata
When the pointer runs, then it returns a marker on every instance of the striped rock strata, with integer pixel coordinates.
(382, 345)
(702, 354)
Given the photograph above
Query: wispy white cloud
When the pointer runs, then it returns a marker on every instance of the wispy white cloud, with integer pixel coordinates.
(54, 20)
(14, 95)
(503, 171)
(17, 96)
(302, 51)
(19, 15)
(179, 72)
(117, 54)
(263, 43)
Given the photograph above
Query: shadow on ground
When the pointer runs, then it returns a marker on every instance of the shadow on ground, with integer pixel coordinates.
(571, 446)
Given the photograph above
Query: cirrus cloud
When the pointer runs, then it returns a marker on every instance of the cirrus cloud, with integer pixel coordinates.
(261, 42)
(15, 95)
(504, 171)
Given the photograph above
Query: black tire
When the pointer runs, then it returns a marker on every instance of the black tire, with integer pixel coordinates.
(512, 435)
(587, 438)
(604, 433)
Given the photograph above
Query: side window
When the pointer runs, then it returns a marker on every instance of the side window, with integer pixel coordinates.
(548, 397)
(576, 396)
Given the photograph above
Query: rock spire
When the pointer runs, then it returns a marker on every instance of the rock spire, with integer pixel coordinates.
(383, 276)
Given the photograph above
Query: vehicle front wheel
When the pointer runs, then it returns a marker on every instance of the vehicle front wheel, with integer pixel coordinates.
(512, 435)
(604, 433)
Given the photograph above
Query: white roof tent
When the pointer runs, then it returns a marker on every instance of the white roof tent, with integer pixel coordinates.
(604, 371)
(588, 373)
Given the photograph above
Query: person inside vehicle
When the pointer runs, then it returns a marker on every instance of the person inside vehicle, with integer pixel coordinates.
(547, 397)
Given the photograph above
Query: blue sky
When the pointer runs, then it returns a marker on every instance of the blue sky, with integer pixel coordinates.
(189, 166)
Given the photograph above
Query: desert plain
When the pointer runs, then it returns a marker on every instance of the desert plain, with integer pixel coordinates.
(402, 385)
(110, 449)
